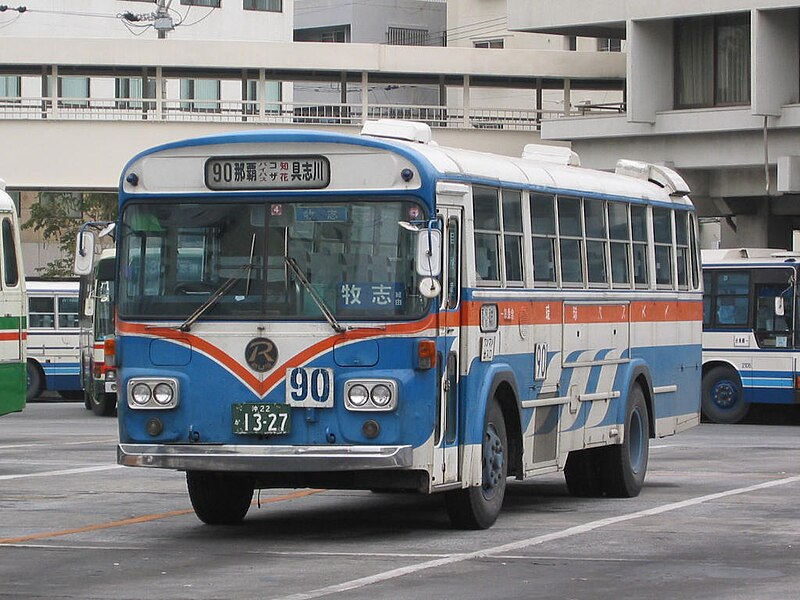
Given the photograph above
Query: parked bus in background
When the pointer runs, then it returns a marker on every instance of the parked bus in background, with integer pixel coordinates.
(376, 311)
(97, 328)
(53, 338)
(13, 326)
(750, 345)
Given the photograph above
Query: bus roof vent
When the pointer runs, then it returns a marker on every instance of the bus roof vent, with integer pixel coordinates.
(661, 176)
(559, 155)
(410, 131)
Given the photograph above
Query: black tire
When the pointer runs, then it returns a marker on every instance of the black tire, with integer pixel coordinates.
(35, 381)
(102, 404)
(477, 507)
(625, 464)
(723, 397)
(219, 498)
(583, 473)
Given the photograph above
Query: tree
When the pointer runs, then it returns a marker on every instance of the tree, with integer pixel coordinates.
(59, 216)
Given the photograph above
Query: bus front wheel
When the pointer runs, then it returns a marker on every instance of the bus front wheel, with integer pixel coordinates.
(102, 404)
(723, 397)
(219, 498)
(477, 507)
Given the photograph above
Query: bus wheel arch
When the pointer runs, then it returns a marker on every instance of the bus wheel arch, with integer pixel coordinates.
(722, 399)
(36, 381)
(507, 398)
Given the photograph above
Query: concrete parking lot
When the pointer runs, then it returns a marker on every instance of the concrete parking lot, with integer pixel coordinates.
(718, 518)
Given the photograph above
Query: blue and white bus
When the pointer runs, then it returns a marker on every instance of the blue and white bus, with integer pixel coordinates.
(13, 324)
(53, 338)
(376, 311)
(750, 344)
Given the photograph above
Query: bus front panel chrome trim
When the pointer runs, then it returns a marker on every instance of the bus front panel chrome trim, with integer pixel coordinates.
(209, 457)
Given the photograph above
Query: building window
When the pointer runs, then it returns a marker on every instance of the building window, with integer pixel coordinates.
(271, 92)
(712, 61)
(128, 92)
(609, 45)
(266, 5)
(489, 44)
(9, 88)
(73, 92)
(406, 36)
(204, 94)
(211, 3)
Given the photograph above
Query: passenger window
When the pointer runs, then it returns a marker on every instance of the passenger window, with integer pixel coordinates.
(619, 234)
(662, 235)
(485, 202)
(641, 268)
(596, 242)
(10, 268)
(67, 312)
(571, 240)
(543, 226)
(682, 248)
(41, 313)
(512, 235)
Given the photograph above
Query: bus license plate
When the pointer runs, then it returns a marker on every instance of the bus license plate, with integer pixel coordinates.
(261, 419)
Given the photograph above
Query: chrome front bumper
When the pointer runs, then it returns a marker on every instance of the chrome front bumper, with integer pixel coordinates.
(255, 459)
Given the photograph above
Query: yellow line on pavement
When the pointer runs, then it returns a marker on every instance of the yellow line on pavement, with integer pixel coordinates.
(136, 520)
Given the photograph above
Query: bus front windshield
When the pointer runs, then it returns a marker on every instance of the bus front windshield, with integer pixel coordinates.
(357, 260)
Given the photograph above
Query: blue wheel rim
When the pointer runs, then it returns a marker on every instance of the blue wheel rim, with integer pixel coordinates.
(724, 394)
(636, 441)
(493, 461)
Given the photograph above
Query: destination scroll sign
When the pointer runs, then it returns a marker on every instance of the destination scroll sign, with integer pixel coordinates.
(267, 173)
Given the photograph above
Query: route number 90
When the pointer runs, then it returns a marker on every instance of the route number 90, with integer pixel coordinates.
(309, 388)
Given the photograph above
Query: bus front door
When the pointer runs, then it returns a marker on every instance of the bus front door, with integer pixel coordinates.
(446, 455)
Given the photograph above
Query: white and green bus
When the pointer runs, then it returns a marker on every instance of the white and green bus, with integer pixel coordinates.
(12, 310)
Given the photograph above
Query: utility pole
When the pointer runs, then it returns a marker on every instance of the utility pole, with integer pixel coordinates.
(163, 20)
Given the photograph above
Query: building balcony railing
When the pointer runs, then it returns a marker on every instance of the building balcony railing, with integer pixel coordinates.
(278, 113)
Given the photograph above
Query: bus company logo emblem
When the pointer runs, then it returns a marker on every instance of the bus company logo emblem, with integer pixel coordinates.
(261, 354)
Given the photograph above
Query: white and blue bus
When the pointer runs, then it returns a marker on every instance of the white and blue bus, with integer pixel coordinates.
(376, 311)
(750, 344)
(13, 325)
(53, 338)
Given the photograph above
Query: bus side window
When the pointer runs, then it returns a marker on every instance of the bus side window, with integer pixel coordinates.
(487, 235)
(10, 270)
(639, 233)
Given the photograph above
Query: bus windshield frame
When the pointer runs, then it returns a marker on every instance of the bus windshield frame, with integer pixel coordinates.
(352, 250)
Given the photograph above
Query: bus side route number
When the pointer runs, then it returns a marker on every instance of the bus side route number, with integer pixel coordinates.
(309, 387)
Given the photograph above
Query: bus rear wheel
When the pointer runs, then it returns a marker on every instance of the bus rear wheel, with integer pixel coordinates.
(477, 507)
(723, 397)
(219, 498)
(625, 464)
(35, 381)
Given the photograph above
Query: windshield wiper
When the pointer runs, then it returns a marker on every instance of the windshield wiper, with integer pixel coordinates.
(326, 312)
(221, 291)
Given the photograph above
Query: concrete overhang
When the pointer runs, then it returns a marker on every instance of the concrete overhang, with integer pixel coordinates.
(608, 18)
(309, 59)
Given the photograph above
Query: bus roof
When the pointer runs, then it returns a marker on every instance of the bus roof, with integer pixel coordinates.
(748, 256)
(545, 170)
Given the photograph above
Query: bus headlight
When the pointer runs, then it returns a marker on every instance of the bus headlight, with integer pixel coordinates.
(358, 395)
(152, 393)
(163, 394)
(141, 394)
(370, 394)
(381, 395)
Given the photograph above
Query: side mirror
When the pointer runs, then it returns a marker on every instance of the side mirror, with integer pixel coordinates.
(84, 253)
(779, 308)
(429, 252)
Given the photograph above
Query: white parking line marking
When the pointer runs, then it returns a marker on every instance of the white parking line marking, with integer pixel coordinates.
(534, 541)
(61, 472)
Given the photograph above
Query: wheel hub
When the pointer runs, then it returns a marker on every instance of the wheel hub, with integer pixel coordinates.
(493, 461)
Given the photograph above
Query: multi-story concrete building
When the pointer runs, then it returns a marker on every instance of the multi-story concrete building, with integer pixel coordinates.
(713, 90)
(80, 92)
